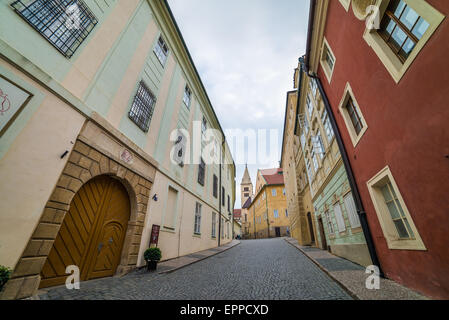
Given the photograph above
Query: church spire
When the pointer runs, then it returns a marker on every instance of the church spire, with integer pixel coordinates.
(246, 178)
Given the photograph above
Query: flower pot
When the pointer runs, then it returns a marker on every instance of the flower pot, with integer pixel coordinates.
(151, 265)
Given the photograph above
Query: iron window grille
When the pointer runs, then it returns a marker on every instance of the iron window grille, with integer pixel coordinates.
(201, 172)
(187, 97)
(161, 50)
(215, 189)
(143, 107)
(64, 23)
(402, 28)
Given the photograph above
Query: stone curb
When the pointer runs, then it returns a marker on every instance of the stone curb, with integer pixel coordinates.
(341, 284)
(200, 259)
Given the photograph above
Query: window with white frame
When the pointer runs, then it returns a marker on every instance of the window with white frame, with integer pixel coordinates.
(214, 224)
(309, 106)
(313, 86)
(283, 191)
(327, 126)
(276, 213)
(327, 60)
(204, 126)
(351, 210)
(339, 217)
(330, 225)
(161, 50)
(187, 97)
(405, 28)
(395, 219)
(352, 116)
(273, 192)
(315, 160)
(319, 146)
(197, 226)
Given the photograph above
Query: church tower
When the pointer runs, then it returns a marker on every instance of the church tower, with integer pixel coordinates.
(246, 187)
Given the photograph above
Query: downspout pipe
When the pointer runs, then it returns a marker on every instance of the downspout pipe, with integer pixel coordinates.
(350, 174)
(220, 190)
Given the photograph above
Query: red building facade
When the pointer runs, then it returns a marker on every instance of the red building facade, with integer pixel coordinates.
(392, 111)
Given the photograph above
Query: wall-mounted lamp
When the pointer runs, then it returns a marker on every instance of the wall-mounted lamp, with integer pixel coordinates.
(155, 197)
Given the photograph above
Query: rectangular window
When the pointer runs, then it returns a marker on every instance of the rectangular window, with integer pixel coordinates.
(396, 222)
(65, 23)
(215, 187)
(276, 214)
(142, 107)
(327, 60)
(197, 226)
(313, 86)
(204, 127)
(315, 161)
(161, 50)
(201, 172)
(246, 189)
(330, 225)
(187, 97)
(402, 28)
(246, 217)
(309, 106)
(396, 212)
(339, 217)
(223, 193)
(286, 213)
(170, 213)
(246, 195)
(309, 169)
(214, 224)
(327, 126)
(273, 192)
(222, 228)
(229, 204)
(283, 191)
(354, 116)
(318, 145)
(352, 211)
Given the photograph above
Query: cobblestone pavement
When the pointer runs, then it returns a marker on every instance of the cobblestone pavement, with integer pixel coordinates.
(268, 269)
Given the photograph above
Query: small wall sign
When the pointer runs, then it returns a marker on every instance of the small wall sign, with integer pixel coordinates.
(126, 156)
(154, 235)
(12, 100)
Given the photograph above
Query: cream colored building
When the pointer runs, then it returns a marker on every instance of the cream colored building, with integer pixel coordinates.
(299, 202)
(97, 146)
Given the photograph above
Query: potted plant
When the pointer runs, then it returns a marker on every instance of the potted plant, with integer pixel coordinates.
(5, 273)
(152, 256)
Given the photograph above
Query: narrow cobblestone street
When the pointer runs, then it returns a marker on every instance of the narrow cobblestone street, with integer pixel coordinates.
(269, 269)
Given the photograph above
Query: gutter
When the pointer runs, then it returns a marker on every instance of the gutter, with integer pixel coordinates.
(355, 191)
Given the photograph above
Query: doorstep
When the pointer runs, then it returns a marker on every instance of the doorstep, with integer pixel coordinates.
(352, 277)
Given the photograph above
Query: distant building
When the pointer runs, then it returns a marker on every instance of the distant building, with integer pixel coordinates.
(267, 212)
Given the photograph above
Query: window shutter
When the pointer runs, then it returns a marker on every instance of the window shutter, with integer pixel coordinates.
(352, 211)
(339, 218)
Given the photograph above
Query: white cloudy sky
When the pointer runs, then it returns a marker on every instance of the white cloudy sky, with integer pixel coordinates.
(245, 52)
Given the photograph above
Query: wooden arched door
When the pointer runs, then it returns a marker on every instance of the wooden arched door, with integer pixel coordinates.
(92, 233)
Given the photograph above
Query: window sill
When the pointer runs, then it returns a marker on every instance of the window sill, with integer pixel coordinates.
(197, 235)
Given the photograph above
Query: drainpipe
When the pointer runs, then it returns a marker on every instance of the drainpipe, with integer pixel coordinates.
(355, 191)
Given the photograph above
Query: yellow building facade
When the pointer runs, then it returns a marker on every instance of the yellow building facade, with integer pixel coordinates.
(268, 213)
(299, 202)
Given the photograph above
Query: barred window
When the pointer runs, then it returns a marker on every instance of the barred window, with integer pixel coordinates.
(143, 107)
(64, 23)
(161, 50)
(201, 172)
(215, 187)
(187, 97)
(197, 226)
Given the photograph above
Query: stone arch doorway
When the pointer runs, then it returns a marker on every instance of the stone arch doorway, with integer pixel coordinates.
(92, 233)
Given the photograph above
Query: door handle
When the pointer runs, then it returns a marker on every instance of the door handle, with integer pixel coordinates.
(100, 246)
